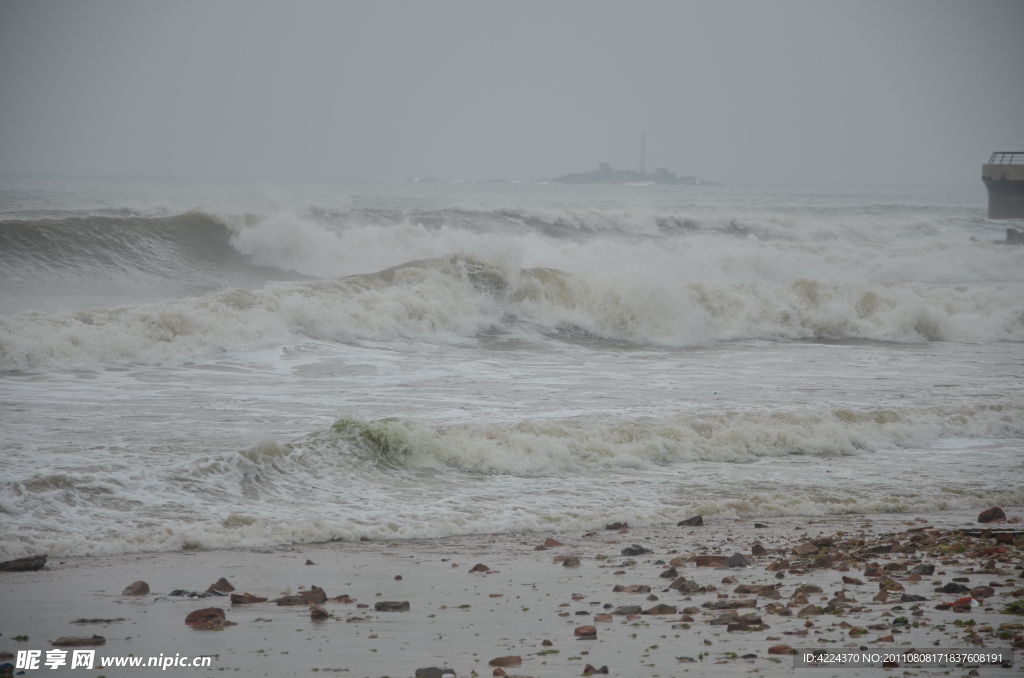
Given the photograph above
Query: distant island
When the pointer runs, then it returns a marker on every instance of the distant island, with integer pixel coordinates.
(604, 174)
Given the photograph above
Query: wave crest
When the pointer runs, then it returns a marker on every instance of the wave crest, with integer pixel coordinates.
(456, 298)
(541, 447)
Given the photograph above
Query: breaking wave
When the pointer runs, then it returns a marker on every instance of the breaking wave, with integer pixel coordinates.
(391, 479)
(457, 298)
(566, 446)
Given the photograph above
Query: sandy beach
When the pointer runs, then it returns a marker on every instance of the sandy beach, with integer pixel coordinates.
(525, 603)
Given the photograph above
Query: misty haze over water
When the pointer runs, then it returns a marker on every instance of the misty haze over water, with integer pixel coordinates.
(912, 93)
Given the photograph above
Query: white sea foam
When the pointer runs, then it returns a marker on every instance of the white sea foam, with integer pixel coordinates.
(506, 358)
(399, 479)
(456, 298)
(587, 242)
(564, 446)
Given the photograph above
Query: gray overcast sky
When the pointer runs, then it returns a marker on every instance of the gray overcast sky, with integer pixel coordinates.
(760, 92)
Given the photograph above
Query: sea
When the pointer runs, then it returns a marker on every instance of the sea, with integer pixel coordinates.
(222, 364)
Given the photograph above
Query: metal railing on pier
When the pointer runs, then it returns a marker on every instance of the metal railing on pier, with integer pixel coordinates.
(1007, 158)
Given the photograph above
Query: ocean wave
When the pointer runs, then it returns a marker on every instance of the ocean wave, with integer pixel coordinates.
(456, 298)
(330, 243)
(395, 479)
(568, 446)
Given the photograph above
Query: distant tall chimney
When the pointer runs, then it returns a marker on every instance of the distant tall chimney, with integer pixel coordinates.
(643, 152)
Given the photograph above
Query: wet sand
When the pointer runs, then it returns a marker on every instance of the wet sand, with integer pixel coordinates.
(462, 620)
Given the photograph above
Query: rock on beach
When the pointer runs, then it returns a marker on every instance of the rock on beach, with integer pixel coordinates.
(139, 588)
(80, 641)
(26, 564)
(392, 606)
(992, 515)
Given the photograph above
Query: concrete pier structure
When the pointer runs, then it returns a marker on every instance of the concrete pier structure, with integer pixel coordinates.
(1004, 179)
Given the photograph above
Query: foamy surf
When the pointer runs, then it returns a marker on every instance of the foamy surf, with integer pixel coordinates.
(401, 479)
(187, 368)
(457, 298)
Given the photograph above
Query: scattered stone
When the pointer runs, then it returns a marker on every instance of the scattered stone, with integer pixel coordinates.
(617, 526)
(314, 596)
(737, 560)
(635, 588)
(139, 588)
(992, 515)
(480, 567)
(206, 617)
(683, 585)
(660, 609)
(780, 649)
(222, 585)
(805, 549)
(746, 623)
(26, 564)
(80, 641)
(695, 521)
(585, 632)
(760, 525)
(853, 581)
(434, 672)
(923, 569)
(246, 599)
(731, 604)
(194, 594)
(589, 670)
(97, 621)
(392, 606)
(670, 573)
(511, 660)
(708, 561)
(551, 543)
(309, 562)
(343, 598)
(953, 587)
(547, 643)
(602, 618)
(758, 550)
(318, 613)
(635, 550)
(571, 561)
